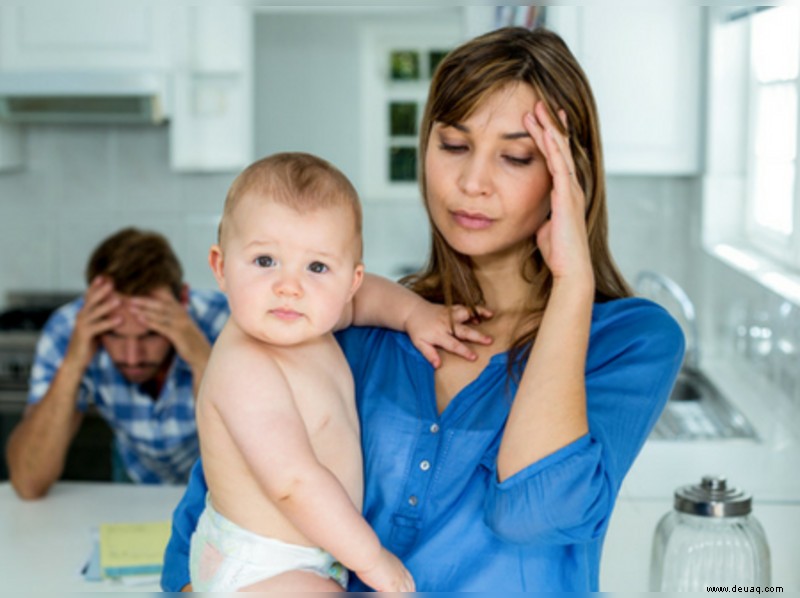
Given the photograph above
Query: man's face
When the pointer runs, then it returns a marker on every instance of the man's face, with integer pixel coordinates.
(138, 352)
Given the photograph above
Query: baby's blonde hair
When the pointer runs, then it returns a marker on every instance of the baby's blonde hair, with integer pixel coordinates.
(298, 180)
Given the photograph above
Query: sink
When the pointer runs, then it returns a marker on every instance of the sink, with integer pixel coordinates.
(698, 410)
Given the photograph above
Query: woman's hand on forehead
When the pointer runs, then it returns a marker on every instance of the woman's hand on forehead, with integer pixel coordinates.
(562, 239)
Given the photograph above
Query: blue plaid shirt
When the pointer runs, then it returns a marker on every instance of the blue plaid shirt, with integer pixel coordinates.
(156, 440)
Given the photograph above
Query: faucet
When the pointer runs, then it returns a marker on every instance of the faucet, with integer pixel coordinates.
(692, 358)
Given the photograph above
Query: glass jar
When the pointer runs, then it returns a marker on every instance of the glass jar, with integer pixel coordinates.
(709, 539)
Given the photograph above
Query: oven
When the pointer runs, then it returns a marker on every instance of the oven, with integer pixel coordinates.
(90, 454)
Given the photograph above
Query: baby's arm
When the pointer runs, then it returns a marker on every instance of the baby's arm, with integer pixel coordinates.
(381, 302)
(259, 405)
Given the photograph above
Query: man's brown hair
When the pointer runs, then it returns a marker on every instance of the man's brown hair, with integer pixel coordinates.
(137, 262)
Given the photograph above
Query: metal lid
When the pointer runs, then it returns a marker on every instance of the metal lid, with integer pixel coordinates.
(713, 498)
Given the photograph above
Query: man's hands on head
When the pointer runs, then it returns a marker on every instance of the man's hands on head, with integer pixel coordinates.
(161, 312)
(95, 318)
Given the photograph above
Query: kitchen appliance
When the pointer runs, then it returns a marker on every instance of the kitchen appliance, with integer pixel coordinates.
(89, 457)
(91, 97)
(710, 538)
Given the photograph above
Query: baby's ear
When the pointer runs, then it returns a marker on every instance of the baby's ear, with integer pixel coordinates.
(358, 278)
(217, 262)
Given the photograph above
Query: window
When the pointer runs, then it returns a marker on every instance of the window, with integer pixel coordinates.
(398, 62)
(751, 183)
(772, 198)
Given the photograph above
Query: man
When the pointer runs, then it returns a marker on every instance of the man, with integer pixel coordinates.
(135, 345)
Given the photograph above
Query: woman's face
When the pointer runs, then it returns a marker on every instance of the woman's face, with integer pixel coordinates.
(487, 183)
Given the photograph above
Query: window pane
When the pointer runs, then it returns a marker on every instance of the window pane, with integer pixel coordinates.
(435, 57)
(774, 182)
(404, 65)
(776, 43)
(402, 164)
(776, 121)
(403, 118)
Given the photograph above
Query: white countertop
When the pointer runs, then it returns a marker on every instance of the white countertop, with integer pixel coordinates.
(45, 543)
(767, 469)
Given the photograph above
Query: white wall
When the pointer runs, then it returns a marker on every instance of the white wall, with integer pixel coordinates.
(82, 183)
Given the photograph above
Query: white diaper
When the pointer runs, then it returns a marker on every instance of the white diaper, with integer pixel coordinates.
(225, 557)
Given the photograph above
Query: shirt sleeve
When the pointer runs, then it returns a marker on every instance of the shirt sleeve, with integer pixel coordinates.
(175, 574)
(568, 496)
(50, 351)
(209, 309)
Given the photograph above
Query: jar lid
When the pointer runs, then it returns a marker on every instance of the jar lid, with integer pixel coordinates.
(713, 498)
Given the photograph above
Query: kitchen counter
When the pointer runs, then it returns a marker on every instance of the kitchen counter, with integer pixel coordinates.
(767, 468)
(45, 543)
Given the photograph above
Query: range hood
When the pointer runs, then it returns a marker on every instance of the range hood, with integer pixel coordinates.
(82, 97)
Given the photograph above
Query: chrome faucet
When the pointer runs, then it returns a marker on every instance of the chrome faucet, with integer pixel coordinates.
(645, 277)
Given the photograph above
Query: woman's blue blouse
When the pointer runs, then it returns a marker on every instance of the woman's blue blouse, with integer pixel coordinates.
(431, 489)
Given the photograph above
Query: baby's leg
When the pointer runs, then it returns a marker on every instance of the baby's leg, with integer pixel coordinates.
(295, 581)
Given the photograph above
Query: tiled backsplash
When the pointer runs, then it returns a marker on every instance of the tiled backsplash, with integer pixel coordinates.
(752, 327)
(80, 184)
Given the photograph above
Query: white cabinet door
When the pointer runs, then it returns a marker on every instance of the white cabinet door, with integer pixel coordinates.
(10, 147)
(85, 36)
(645, 66)
(204, 51)
(212, 123)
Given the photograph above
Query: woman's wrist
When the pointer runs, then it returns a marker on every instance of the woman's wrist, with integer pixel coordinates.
(579, 288)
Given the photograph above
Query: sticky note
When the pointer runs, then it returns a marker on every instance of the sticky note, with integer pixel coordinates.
(133, 548)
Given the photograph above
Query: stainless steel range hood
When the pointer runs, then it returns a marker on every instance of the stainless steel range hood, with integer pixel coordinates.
(83, 98)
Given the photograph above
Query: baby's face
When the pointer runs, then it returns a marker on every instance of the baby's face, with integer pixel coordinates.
(288, 275)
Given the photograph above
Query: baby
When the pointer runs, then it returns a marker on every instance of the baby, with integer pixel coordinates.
(279, 432)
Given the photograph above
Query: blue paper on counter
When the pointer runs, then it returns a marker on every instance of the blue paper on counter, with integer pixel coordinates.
(92, 571)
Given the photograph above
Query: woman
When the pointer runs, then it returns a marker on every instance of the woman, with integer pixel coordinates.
(501, 473)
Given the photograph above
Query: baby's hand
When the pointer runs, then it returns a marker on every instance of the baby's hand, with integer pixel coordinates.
(428, 326)
(387, 575)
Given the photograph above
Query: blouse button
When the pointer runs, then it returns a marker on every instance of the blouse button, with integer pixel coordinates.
(412, 500)
(434, 428)
(425, 465)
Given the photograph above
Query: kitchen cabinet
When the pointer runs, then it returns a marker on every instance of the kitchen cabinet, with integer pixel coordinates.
(203, 52)
(67, 36)
(645, 67)
(212, 123)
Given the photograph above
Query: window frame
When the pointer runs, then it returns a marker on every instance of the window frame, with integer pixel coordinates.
(784, 249)
(378, 91)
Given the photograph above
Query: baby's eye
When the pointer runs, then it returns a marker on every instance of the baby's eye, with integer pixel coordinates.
(265, 261)
(317, 267)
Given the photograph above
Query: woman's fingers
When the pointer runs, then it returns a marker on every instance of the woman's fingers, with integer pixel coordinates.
(562, 157)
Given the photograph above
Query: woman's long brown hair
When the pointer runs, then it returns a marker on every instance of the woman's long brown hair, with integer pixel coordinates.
(464, 79)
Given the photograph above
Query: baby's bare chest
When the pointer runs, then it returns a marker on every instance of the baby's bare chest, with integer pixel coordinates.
(324, 393)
